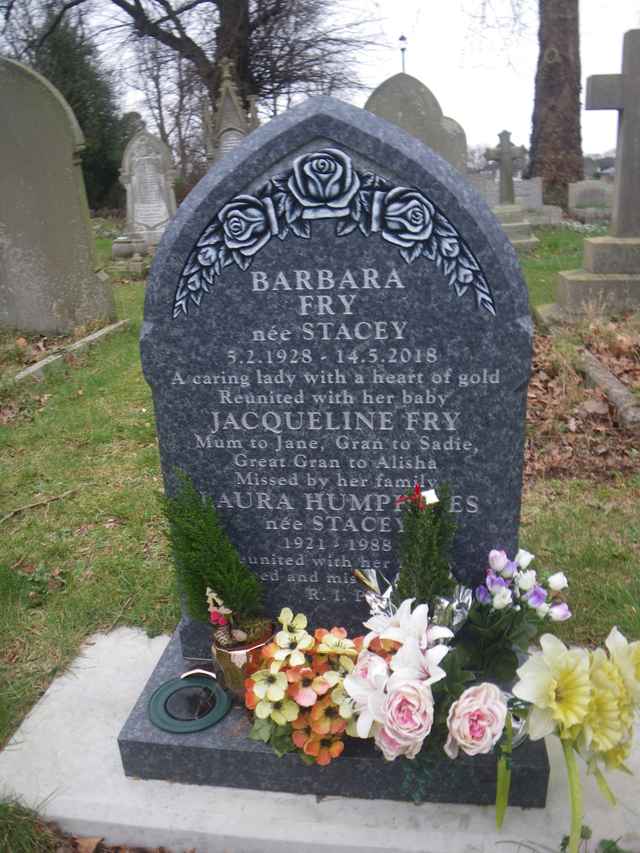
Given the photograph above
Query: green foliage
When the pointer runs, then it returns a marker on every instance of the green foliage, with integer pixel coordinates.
(489, 637)
(69, 60)
(204, 556)
(278, 737)
(425, 545)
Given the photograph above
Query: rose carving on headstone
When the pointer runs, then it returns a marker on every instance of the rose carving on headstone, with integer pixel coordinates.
(325, 182)
(247, 224)
(324, 185)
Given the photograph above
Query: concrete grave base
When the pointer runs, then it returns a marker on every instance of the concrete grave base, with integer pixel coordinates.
(224, 755)
(64, 761)
(514, 224)
(609, 282)
(579, 292)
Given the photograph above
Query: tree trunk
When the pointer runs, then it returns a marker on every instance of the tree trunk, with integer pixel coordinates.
(232, 42)
(556, 144)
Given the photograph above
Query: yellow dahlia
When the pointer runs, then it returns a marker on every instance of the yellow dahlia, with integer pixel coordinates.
(626, 657)
(556, 682)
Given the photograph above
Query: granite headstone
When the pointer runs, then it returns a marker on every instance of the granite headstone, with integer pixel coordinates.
(333, 315)
(48, 280)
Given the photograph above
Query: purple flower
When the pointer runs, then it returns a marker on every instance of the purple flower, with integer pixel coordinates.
(483, 595)
(509, 569)
(493, 582)
(560, 612)
(536, 597)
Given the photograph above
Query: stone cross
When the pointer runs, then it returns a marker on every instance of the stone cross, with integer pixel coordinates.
(622, 92)
(504, 154)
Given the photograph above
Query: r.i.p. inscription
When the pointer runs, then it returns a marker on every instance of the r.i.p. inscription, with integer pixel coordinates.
(321, 333)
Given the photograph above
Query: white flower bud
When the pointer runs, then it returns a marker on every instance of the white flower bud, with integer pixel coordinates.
(542, 610)
(497, 561)
(523, 558)
(526, 580)
(557, 582)
(502, 598)
(430, 497)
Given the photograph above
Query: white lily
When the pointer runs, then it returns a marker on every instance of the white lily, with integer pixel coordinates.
(366, 686)
(411, 663)
(406, 623)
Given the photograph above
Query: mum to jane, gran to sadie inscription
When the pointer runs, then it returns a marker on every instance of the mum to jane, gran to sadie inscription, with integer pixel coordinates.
(322, 332)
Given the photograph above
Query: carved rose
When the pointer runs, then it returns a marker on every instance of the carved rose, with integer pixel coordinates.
(407, 217)
(324, 179)
(247, 223)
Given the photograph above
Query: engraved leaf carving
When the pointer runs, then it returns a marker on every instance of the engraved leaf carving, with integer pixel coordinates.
(445, 246)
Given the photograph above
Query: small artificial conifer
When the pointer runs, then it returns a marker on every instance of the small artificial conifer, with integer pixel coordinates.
(425, 546)
(205, 557)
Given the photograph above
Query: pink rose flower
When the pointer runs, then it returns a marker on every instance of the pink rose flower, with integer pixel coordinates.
(476, 721)
(408, 717)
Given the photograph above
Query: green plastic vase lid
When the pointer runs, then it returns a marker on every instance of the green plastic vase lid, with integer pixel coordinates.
(191, 703)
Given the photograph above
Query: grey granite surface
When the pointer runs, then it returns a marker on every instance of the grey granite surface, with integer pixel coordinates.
(333, 315)
(223, 755)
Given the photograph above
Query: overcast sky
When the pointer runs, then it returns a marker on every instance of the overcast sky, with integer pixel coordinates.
(484, 79)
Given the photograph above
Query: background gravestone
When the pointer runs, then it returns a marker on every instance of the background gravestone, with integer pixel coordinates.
(333, 315)
(409, 104)
(330, 303)
(47, 260)
(147, 173)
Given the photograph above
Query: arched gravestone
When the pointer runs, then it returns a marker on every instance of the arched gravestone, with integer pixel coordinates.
(332, 315)
(47, 257)
(407, 102)
(329, 303)
(147, 173)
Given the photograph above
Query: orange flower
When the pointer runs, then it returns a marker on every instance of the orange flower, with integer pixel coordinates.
(326, 719)
(306, 686)
(321, 633)
(301, 730)
(269, 650)
(323, 748)
(250, 699)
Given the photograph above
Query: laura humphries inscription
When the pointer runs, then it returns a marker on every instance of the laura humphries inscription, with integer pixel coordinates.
(333, 315)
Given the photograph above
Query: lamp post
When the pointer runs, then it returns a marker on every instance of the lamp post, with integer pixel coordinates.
(403, 47)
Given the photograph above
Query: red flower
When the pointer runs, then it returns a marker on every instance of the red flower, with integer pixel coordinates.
(414, 497)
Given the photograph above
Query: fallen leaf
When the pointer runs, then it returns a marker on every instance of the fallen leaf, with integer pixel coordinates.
(22, 343)
(87, 845)
(595, 407)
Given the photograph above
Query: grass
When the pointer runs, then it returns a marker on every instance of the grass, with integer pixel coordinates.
(96, 557)
(22, 831)
(559, 249)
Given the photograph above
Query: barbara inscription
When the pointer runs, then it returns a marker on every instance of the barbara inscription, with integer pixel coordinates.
(317, 359)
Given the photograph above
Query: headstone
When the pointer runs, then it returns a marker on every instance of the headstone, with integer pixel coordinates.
(592, 193)
(333, 315)
(147, 174)
(528, 195)
(327, 323)
(409, 104)
(504, 154)
(48, 282)
(610, 280)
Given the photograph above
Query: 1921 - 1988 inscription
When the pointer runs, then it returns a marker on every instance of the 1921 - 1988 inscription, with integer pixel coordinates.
(331, 345)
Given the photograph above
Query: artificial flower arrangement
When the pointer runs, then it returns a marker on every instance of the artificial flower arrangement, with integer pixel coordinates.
(423, 675)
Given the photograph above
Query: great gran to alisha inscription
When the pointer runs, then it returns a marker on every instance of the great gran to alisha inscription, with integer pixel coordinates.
(334, 316)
